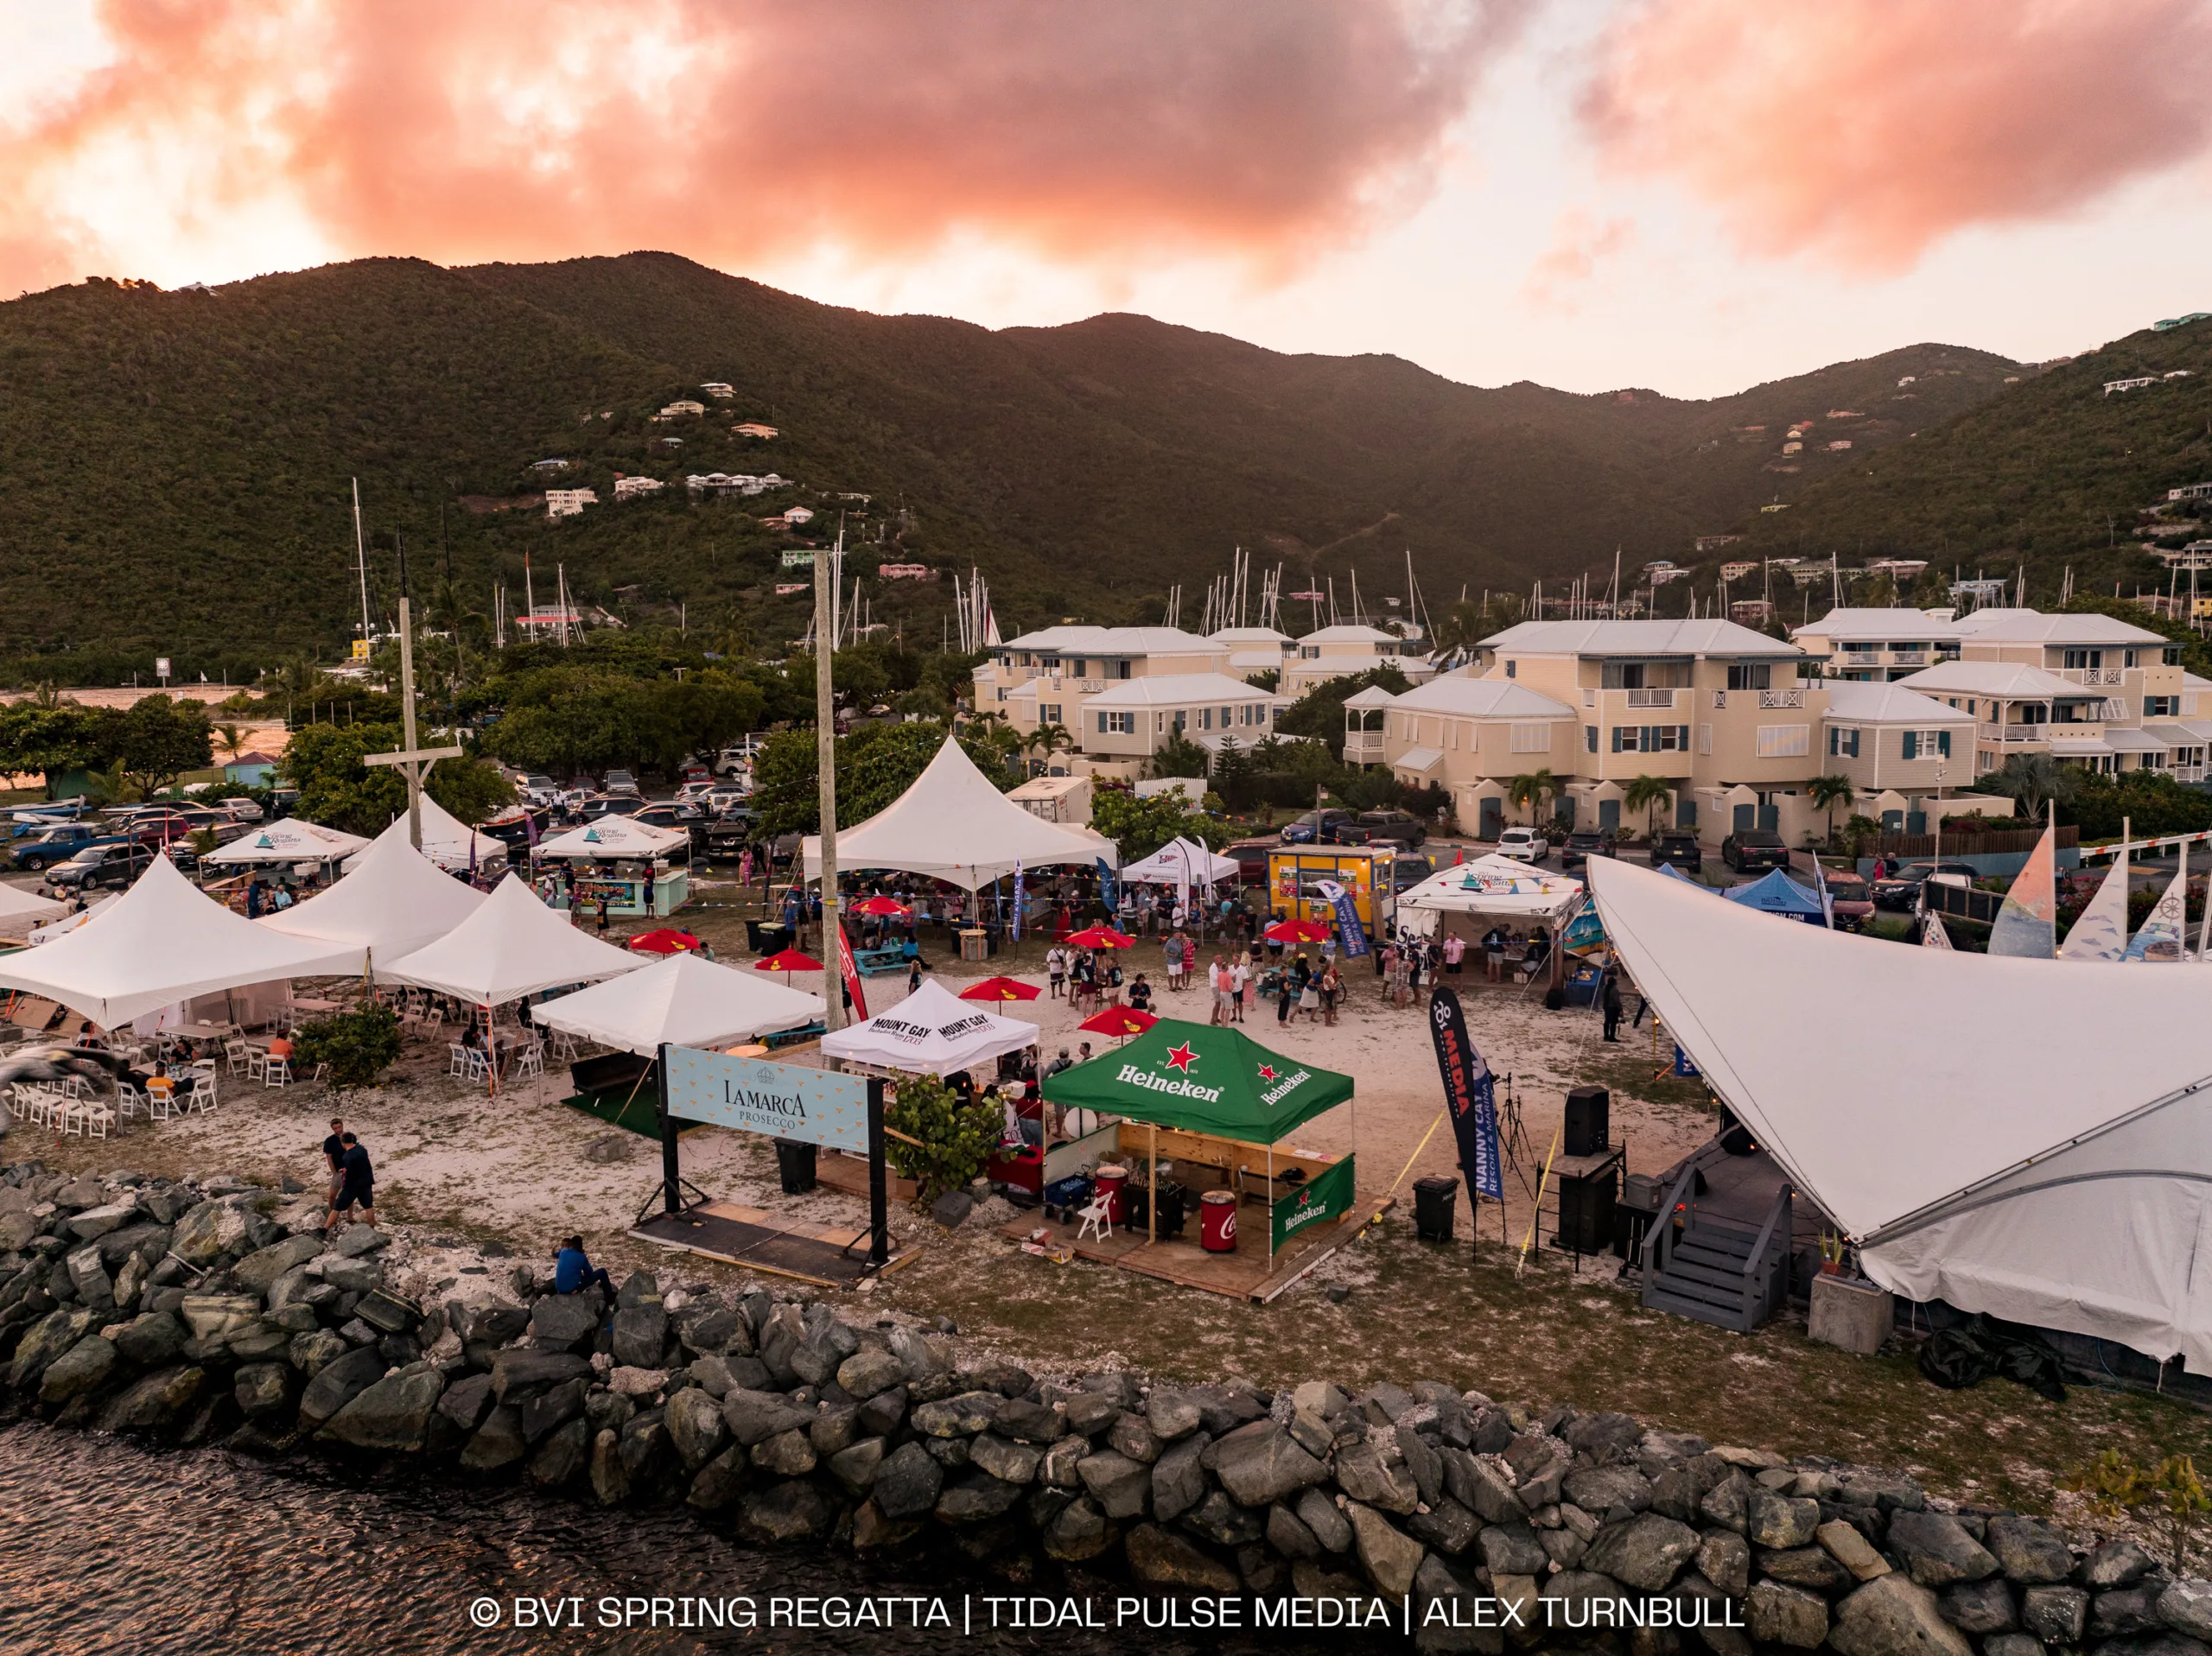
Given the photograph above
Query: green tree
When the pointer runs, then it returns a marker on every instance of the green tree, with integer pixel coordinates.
(1828, 792)
(359, 1046)
(336, 789)
(1320, 712)
(1179, 755)
(1139, 827)
(937, 1140)
(1647, 794)
(50, 739)
(156, 740)
(1046, 740)
(875, 764)
(1530, 790)
(1463, 626)
(2029, 779)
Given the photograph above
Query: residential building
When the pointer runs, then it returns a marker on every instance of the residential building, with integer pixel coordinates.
(1877, 644)
(1737, 571)
(569, 503)
(1135, 718)
(753, 429)
(733, 483)
(1751, 611)
(2197, 555)
(1660, 577)
(681, 408)
(1899, 569)
(798, 515)
(2191, 492)
(549, 467)
(1715, 543)
(1459, 732)
(905, 572)
(720, 392)
(1837, 445)
(1255, 650)
(1978, 591)
(630, 488)
(2140, 380)
(1900, 749)
(1340, 651)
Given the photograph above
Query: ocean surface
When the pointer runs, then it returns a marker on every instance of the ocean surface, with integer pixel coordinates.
(105, 1546)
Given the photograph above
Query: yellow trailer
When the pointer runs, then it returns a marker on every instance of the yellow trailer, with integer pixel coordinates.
(1294, 873)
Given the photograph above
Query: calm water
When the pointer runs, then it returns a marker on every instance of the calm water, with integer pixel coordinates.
(107, 1547)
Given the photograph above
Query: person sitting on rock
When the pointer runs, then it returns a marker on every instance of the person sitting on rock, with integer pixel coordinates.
(573, 1271)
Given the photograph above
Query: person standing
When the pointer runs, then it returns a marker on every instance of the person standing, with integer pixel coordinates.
(1056, 971)
(1332, 986)
(1190, 957)
(1610, 1000)
(1455, 947)
(1240, 980)
(1216, 990)
(356, 1186)
(333, 1153)
(1171, 959)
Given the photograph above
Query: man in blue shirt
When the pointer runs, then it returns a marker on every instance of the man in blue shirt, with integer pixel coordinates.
(573, 1271)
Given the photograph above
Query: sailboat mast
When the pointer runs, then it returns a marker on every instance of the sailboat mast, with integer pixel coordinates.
(361, 560)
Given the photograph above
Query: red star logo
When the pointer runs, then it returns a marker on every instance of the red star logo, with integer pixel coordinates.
(1266, 1072)
(1181, 1058)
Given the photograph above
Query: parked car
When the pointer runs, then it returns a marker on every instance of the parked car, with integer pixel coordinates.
(599, 805)
(59, 844)
(620, 782)
(1251, 861)
(1584, 844)
(537, 790)
(1407, 870)
(1901, 889)
(1523, 845)
(729, 834)
(738, 755)
(1749, 850)
(1849, 900)
(675, 813)
(1680, 849)
(695, 790)
(1383, 827)
(116, 863)
(720, 798)
(239, 809)
(1315, 828)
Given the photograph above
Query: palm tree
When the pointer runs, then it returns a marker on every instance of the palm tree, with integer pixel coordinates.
(231, 739)
(450, 612)
(2031, 778)
(1462, 626)
(1531, 789)
(1049, 739)
(1647, 794)
(1828, 792)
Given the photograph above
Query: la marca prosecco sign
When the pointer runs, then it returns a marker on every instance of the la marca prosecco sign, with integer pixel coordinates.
(785, 1101)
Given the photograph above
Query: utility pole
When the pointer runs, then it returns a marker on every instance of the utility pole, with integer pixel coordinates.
(825, 760)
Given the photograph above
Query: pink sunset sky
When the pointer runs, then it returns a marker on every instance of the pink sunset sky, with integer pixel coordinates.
(1689, 194)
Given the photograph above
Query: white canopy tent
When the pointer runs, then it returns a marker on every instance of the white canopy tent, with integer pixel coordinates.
(2016, 1136)
(681, 1001)
(1496, 887)
(931, 1032)
(287, 841)
(513, 946)
(447, 839)
(20, 909)
(162, 941)
(952, 825)
(1181, 862)
(614, 838)
(391, 902)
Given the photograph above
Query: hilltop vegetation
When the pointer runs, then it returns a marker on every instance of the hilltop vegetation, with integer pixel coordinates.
(178, 467)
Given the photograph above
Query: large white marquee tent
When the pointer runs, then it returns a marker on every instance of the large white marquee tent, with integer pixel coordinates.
(391, 902)
(1182, 862)
(513, 946)
(1493, 886)
(952, 825)
(2032, 1138)
(683, 1001)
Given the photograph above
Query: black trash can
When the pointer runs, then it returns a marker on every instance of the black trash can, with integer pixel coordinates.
(1434, 1201)
(795, 1162)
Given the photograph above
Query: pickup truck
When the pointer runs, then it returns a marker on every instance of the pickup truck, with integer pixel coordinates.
(1382, 827)
(1901, 889)
(59, 844)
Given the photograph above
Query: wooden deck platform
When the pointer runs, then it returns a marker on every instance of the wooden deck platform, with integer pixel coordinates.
(760, 1240)
(834, 1171)
(1247, 1273)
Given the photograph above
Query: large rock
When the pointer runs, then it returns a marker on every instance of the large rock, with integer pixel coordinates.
(792, 1511)
(1172, 1414)
(264, 1390)
(1647, 1552)
(976, 1499)
(2186, 1606)
(695, 1427)
(1080, 1531)
(339, 1384)
(1594, 1433)
(1259, 1463)
(1009, 1461)
(1981, 1607)
(856, 1466)
(719, 1482)
(350, 1276)
(1389, 1556)
(563, 1456)
(2027, 1550)
(1221, 1521)
(498, 1441)
(313, 1353)
(1607, 1488)
(1779, 1522)
(958, 1416)
(1852, 1550)
(1540, 1464)
(1813, 1569)
(148, 1339)
(568, 1322)
(1118, 1483)
(787, 1454)
(1029, 1423)
(259, 1270)
(1449, 1618)
(84, 1368)
(2121, 1613)
(1364, 1474)
(88, 1278)
(1325, 1520)
(518, 1374)
(551, 1409)
(869, 1371)
(1724, 1558)
(48, 1339)
(640, 1335)
(1776, 1615)
(1161, 1558)
(212, 1227)
(392, 1414)
(1936, 1550)
(908, 1483)
(610, 1480)
(755, 1417)
(2116, 1563)
(92, 1223)
(2054, 1613)
(1484, 1486)
(1178, 1481)
(1447, 1527)
(155, 1402)
(1512, 1549)
(1893, 1615)
(217, 1319)
(466, 1401)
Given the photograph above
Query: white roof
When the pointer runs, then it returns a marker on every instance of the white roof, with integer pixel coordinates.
(1845, 622)
(1418, 759)
(931, 1033)
(445, 838)
(1111, 641)
(1974, 621)
(2186, 733)
(1993, 1176)
(2126, 738)
(1178, 690)
(1997, 678)
(1498, 885)
(165, 941)
(513, 946)
(2081, 747)
(22, 907)
(1255, 661)
(1682, 638)
(1370, 698)
(1250, 635)
(1889, 704)
(1181, 861)
(1479, 698)
(2031, 626)
(288, 840)
(683, 1001)
(392, 901)
(952, 825)
(1348, 634)
(614, 836)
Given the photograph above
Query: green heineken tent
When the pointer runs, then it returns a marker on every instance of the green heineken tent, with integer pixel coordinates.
(1219, 1081)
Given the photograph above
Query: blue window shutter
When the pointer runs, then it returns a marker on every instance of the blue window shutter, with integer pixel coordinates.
(1682, 739)
(1617, 738)
(1912, 744)
(1590, 738)
(1836, 741)
(1943, 743)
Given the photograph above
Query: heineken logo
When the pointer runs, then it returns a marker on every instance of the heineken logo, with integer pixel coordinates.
(1289, 1083)
(1153, 1082)
(1266, 1072)
(1181, 1058)
(1304, 1212)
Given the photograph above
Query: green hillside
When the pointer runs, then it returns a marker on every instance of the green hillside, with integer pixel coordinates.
(177, 464)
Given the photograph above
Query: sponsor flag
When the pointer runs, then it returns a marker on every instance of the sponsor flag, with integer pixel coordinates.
(850, 974)
(1932, 935)
(1348, 925)
(2162, 934)
(1108, 890)
(1686, 1066)
(1018, 900)
(1470, 1093)
(2027, 926)
(2099, 932)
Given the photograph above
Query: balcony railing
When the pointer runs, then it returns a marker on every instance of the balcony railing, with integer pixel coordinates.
(1364, 747)
(1908, 657)
(1770, 700)
(2015, 732)
(1651, 698)
(2111, 677)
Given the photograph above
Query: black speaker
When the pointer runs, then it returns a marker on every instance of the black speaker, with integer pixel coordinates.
(1587, 1126)
(1585, 1212)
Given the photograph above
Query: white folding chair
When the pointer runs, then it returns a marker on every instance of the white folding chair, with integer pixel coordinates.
(564, 1047)
(1097, 1221)
(457, 1067)
(531, 1063)
(237, 1055)
(94, 1119)
(277, 1072)
(479, 1065)
(129, 1101)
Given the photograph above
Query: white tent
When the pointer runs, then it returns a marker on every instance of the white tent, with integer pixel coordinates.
(511, 947)
(391, 902)
(20, 910)
(952, 825)
(1497, 887)
(447, 839)
(288, 840)
(164, 941)
(2015, 1136)
(931, 1032)
(1182, 862)
(681, 1001)
(70, 922)
(614, 838)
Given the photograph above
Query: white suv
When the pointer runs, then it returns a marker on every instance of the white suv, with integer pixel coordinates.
(1523, 845)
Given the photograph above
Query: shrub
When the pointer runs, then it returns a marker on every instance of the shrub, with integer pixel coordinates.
(359, 1046)
(952, 1141)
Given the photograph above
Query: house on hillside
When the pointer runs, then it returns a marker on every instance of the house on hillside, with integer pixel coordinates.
(719, 392)
(631, 488)
(752, 428)
(1844, 414)
(569, 503)
(1839, 444)
(1737, 571)
(548, 467)
(733, 483)
(2191, 492)
(683, 408)
(1715, 543)
(2136, 383)
(1751, 611)
(905, 572)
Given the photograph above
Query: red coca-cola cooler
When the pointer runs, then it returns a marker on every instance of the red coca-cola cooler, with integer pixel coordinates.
(1217, 1222)
(1114, 1190)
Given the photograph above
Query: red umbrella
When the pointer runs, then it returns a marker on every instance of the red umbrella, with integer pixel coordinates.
(1000, 989)
(666, 940)
(880, 905)
(787, 960)
(1297, 931)
(1121, 1021)
(1101, 937)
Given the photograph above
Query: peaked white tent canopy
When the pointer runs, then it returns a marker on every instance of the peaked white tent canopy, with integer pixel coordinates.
(20, 909)
(513, 946)
(952, 825)
(1181, 862)
(2015, 1136)
(288, 840)
(391, 902)
(614, 837)
(162, 941)
(447, 839)
(681, 1001)
(1493, 885)
(931, 1032)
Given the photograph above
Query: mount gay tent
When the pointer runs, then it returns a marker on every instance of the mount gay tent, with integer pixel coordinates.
(952, 825)
(931, 1033)
(513, 946)
(391, 901)
(162, 941)
(2013, 1135)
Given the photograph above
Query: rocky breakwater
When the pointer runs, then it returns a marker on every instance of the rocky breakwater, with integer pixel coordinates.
(197, 1314)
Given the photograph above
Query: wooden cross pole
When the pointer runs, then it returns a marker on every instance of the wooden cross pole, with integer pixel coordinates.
(413, 762)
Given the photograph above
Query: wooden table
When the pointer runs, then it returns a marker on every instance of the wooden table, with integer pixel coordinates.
(303, 1003)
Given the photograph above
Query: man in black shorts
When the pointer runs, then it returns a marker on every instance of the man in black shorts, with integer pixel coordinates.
(333, 1152)
(356, 1183)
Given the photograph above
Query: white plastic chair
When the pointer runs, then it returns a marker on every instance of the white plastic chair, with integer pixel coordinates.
(93, 1119)
(277, 1072)
(531, 1063)
(237, 1055)
(457, 1066)
(256, 1064)
(129, 1101)
(564, 1047)
(479, 1066)
(1097, 1220)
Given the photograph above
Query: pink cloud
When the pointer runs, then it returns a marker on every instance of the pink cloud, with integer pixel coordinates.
(1580, 243)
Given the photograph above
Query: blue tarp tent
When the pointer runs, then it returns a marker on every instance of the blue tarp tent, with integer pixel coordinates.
(1776, 893)
(1673, 872)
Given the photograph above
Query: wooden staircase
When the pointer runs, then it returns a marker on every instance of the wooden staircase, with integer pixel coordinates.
(1715, 1270)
